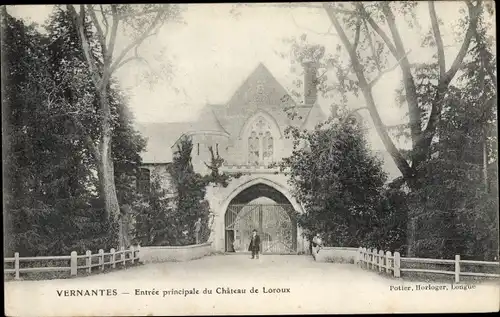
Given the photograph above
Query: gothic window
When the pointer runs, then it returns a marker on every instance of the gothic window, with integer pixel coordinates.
(268, 147)
(253, 148)
(144, 181)
(260, 143)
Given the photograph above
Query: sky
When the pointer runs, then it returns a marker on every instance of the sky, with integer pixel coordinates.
(214, 51)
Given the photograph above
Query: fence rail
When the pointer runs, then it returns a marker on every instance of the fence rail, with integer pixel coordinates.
(113, 257)
(391, 264)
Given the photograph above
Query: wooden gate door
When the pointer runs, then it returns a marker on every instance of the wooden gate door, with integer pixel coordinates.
(275, 223)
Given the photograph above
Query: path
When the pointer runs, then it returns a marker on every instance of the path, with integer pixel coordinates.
(314, 288)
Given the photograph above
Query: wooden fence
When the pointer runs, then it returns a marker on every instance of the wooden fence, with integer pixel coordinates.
(389, 263)
(110, 259)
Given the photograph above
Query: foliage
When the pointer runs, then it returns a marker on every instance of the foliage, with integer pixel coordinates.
(155, 224)
(449, 103)
(341, 186)
(188, 200)
(216, 177)
(51, 203)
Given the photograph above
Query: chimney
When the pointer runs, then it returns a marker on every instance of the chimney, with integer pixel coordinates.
(310, 83)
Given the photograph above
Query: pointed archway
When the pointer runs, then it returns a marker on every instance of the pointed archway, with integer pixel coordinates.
(266, 209)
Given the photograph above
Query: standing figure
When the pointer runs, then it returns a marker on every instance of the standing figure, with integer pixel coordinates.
(254, 244)
(317, 243)
(197, 229)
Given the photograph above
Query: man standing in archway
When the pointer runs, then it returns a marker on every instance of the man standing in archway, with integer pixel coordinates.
(254, 244)
(317, 244)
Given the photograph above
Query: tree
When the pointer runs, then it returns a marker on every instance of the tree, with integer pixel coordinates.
(155, 222)
(83, 109)
(367, 52)
(51, 204)
(47, 179)
(189, 201)
(141, 22)
(338, 181)
(466, 223)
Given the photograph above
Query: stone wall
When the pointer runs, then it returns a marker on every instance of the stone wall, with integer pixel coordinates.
(336, 254)
(158, 254)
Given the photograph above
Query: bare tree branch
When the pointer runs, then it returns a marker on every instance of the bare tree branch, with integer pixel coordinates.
(377, 29)
(138, 14)
(311, 30)
(136, 56)
(439, 40)
(137, 42)
(374, 81)
(78, 22)
(357, 33)
(400, 161)
(474, 12)
(414, 111)
(105, 22)
(437, 105)
(112, 37)
(100, 34)
(372, 46)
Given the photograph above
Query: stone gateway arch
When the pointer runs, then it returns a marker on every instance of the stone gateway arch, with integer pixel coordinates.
(256, 202)
(248, 132)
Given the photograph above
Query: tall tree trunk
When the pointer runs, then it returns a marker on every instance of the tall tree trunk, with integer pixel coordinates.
(107, 186)
(106, 166)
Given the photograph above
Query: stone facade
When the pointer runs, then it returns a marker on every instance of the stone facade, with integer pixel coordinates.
(248, 132)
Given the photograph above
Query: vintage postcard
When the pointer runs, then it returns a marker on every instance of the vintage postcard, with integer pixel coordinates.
(250, 158)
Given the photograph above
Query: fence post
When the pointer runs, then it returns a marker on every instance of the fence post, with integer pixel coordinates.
(367, 257)
(138, 253)
(375, 258)
(16, 265)
(132, 254)
(381, 260)
(122, 255)
(88, 260)
(397, 264)
(457, 268)
(113, 262)
(74, 263)
(101, 259)
(388, 262)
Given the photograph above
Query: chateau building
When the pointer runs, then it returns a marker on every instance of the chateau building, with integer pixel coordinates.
(248, 132)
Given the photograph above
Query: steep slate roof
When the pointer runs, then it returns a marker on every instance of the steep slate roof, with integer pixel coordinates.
(160, 138)
(231, 117)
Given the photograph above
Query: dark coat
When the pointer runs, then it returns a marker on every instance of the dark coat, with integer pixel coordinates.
(254, 244)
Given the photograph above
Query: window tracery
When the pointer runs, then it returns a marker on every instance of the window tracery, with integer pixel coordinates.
(260, 143)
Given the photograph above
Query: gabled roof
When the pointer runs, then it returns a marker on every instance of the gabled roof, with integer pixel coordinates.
(160, 137)
(259, 92)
